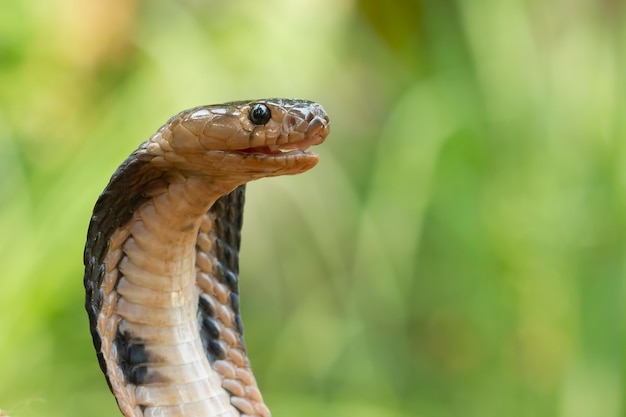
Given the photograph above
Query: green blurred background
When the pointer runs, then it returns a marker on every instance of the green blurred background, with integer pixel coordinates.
(459, 250)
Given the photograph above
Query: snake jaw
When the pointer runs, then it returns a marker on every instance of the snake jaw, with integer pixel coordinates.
(281, 159)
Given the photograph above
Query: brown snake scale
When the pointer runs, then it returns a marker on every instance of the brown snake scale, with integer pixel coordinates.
(162, 256)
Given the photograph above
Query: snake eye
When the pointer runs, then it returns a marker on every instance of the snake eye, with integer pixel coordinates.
(259, 114)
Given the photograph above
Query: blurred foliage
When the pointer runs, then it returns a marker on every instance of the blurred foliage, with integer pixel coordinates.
(459, 250)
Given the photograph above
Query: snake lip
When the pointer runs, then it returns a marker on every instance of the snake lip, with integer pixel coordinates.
(315, 133)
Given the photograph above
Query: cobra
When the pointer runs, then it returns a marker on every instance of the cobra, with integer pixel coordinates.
(162, 256)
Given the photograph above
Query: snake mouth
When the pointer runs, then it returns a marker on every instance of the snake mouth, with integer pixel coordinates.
(278, 150)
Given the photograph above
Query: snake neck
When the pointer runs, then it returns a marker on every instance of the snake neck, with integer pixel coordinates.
(170, 331)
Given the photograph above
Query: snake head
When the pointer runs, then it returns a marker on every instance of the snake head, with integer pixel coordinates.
(266, 137)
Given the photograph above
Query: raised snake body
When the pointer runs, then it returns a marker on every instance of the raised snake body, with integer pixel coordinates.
(161, 259)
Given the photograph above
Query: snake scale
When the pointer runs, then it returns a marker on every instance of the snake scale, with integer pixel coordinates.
(162, 256)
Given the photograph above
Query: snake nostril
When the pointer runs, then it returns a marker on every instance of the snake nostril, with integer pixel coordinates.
(290, 122)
